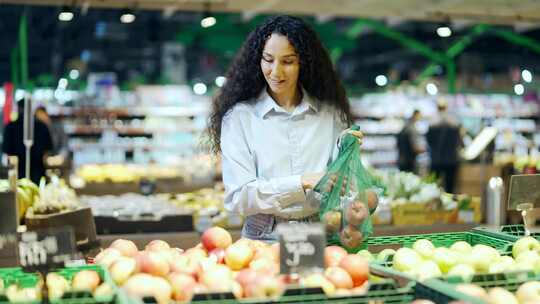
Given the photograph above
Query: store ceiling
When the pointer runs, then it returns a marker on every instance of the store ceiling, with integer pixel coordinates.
(520, 12)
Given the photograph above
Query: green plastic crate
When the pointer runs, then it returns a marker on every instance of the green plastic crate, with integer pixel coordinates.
(11, 276)
(507, 232)
(387, 292)
(80, 297)
(510, 281)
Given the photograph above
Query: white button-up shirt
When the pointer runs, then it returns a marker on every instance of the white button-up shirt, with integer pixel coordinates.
(266, 150)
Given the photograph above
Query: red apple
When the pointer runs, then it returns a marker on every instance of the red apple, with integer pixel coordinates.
(122, 269)
(216, 237)
(196, 252)
(186, 265)
(333, 255)
(265, 287)
(356, 213)
(144, 285)
(339, 277)
(265, 265)
(153, 263)
(351, 237)
(217, 278)
(218, 254)
(332, 221)
(357, 267)
(106, 257)
(86, 280)
(238, 256)
(157, 245)
(372, 200)
(126, 247)
(246, 276)
(182, 285)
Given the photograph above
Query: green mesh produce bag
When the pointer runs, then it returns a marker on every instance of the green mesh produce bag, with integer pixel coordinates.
(346, 191)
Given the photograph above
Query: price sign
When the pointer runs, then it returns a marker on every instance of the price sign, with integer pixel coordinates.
(301, 247)
(46, 249)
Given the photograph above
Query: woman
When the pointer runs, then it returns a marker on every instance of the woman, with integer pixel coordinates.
(276, 122)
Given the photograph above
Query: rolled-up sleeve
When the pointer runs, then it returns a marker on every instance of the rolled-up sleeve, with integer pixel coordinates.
(244, 192)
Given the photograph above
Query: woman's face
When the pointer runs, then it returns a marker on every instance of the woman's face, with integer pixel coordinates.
(280, 64)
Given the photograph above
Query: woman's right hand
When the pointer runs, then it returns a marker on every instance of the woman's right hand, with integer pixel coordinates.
(310, 180)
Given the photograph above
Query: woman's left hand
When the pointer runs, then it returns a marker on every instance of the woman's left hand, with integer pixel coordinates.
(358, 134)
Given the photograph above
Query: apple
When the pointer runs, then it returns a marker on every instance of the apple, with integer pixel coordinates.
(385, 253)
(445, 258)
(406, 259)
(85, 280)
(238, 256)
(361, 290)
(218, 254)
(465, 271)
(499, 295)
(144, 285)
(482, 256)
(527, 257)
(127, 248)
(122, 269)
(356, 213)
(372, 200)
(106, 257)
(424, 247)
(472, 290)
(529, 291)
(339, 277)
(332, 221)
(524, 244)
(265, 265)
(153, 263)
(461, 246)
(217, 278)
(357, 267)
(318, 280)
(246, 276)
(57, 285)
(427, 270)
(182, 285)
(366, 254)
(265, 287)
(216, 237)
(351, 237)
(157, 245)
(340, 292)
(104, 290)
(196, 252)
(333, 255)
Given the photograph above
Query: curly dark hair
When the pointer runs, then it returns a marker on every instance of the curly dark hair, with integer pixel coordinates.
(245, 80)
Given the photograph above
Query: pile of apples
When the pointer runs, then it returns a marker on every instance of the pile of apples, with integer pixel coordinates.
(248, 269)
(527, 293)
(58, 285)
(345, 274)
(424, 260)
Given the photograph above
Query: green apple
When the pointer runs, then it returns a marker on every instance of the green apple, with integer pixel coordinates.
(521, 266)
(502, 264)
(406, 259)
(461, 246)
(445, 258)
(466, 272)
(529, 292)
(527, 257)
(536, 266)
(499, 295)
(482, 256)
(428, 270)
(366, 254)
(383, 255)
(527, 243)
(424, 247)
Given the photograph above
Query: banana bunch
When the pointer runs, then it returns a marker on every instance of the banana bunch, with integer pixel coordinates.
(27, 194)
(54, 197)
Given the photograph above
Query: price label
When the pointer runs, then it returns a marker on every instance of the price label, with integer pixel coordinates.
(46, 249)
(301, 247)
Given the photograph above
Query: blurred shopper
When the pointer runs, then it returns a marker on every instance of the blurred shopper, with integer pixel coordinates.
(56, 128)
(277, 122)
(13, 144)
(444, 141)
(409, 142)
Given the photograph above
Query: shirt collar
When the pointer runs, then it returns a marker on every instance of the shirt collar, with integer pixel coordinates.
(265, 104)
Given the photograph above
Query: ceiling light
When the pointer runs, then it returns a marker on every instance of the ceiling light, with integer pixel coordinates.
(526, 75)
(74, 74)
(519, 89)
(220, 81)
(66, 14)
(127, 17)
(381, 80)
(431, 88)
(208, 21)
(199, 88)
